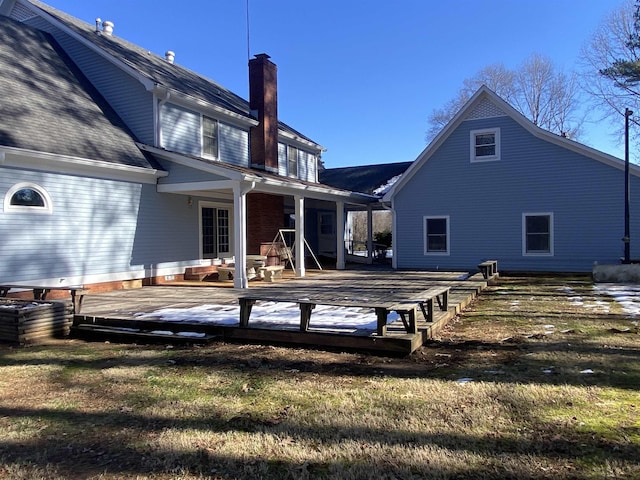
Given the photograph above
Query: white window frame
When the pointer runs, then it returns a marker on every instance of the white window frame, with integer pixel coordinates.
(472, 140)
(216, 156)
(526, 253)
(296, 162)
(48, 205)
(216, 206)
(425, 233)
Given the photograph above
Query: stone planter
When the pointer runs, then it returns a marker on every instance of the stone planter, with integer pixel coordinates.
(29, 321)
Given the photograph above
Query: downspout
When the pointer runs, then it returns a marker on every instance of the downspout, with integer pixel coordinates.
(394, 237)
(240, 191)
(369, 234)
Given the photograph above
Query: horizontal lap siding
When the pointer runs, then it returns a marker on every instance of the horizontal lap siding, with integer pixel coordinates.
(98, 227)
(234, 145)
(485, 203)
(180, 129)
(91, 230)
(167, 229)
(307, 166)
(283, 168)
(126, 95)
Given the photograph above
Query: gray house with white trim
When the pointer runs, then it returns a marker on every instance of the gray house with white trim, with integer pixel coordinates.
(494, 186)
(119, 164)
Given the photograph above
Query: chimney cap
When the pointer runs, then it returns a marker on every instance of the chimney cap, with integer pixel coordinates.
(262, 56)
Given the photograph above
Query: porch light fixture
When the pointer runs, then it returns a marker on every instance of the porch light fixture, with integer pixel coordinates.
(190, 201)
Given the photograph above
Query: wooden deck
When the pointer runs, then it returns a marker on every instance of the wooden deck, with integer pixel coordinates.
(104, 312)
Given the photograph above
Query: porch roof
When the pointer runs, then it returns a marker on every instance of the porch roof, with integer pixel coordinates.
(258, 180)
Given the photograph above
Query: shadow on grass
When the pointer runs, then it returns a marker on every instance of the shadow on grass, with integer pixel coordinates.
(104, 442)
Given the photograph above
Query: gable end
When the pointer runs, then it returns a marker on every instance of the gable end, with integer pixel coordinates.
(485, 109)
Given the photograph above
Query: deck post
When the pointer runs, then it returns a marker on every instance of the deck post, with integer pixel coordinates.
(299, 242)
(381, 314)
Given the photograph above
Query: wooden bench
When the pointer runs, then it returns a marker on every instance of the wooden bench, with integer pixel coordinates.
(272, 272)
(488, 268)
(406, 310)
(40, 293)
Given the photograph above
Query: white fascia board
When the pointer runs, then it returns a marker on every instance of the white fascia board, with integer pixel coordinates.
(51, 162)
(310, 191)
(196, 186)
(145, 81)
(296, 141)
(201, 165)
(185, 100)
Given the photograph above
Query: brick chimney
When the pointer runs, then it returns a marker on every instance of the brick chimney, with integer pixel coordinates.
(263, 98)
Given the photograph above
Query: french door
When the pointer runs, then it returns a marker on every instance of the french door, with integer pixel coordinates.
(215, 231)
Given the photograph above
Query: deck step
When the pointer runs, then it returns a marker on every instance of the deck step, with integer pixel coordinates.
(206, 272)
(147, 336)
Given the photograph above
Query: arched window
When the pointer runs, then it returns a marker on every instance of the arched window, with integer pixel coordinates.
(27, 197)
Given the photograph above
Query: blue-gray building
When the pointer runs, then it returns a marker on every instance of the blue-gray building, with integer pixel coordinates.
(494, 186)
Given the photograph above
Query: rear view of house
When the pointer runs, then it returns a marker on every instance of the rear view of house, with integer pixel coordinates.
(119, 164)
(492, 185)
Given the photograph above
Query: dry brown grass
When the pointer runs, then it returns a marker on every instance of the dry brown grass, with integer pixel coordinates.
(501, 395)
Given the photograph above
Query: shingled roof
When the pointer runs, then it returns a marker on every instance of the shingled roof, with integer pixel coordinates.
(47, 105)
(370, 179)
(157, 70)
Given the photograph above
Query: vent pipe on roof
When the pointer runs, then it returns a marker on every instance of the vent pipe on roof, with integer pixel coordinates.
(107, 27)
(169, 56)
(98, 22)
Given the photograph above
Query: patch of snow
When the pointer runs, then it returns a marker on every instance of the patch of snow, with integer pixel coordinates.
(628, 296)
(13, 305)
(382, 189)
(273, 314)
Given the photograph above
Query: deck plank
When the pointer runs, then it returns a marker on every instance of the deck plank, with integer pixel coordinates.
(371, 287)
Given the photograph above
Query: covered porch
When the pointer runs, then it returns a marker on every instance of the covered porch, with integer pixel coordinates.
(241, 209)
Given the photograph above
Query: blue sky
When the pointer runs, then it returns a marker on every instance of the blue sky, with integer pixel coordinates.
(359, 77)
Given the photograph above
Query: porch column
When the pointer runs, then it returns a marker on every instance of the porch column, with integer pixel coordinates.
(340, 261)
(299, 242)
(240, 191)
(369, 234)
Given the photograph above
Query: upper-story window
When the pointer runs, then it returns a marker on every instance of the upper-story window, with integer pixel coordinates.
(485, 145)
(27, 197)
(292, 161)
(209, 137)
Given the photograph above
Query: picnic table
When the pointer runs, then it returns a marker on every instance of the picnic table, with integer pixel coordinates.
(40, 292)
(424, 301)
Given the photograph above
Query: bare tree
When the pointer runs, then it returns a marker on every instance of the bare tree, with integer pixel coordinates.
(495, 76)
(537, 89)
(610, 45)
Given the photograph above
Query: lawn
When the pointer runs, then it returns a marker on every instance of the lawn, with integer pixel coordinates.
(539, 378)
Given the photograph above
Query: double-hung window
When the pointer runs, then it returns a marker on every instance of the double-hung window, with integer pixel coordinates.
(436, 235)
(537, 234)
(292, 161)
(485, 145)
(209, 137)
